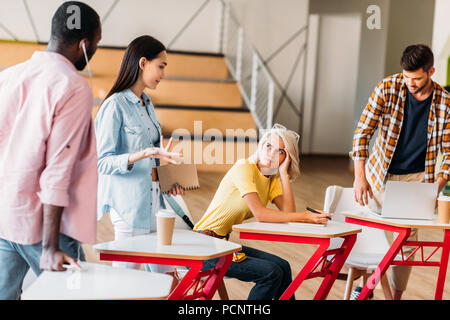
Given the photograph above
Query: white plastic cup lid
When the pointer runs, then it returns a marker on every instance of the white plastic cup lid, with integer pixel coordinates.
(165, 213)
(443, 198)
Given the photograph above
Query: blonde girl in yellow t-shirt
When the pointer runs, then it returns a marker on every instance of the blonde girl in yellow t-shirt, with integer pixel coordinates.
(244, 192)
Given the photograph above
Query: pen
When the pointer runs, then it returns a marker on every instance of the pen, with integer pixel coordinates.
(315, 211)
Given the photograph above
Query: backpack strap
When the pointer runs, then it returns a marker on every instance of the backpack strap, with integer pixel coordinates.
(176, 207)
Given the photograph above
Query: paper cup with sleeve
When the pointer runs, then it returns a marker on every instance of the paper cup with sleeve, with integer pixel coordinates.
(165, 220)
(443, 209)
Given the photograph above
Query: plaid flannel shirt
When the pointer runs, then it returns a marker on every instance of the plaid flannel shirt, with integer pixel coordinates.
(384, 111)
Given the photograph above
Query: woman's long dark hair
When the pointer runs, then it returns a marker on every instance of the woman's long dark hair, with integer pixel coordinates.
(143, 46)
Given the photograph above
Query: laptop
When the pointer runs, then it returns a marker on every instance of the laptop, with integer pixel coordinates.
(409, 200)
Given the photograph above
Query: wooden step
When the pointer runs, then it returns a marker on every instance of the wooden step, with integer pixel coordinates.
(100, 86)
(203, 152)
(182, 93)
(196, 93)
(213, 156)
(12, 53)
(95, 111)
(200, 122)
(196, 66)
(106, 61)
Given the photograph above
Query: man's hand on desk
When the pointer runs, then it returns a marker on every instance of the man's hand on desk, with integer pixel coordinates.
(53, 260)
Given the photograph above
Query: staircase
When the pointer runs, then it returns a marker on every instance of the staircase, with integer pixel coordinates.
(207, 111)
(198, 103)
(213, 104)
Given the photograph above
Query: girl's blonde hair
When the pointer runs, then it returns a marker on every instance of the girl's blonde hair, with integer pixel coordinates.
(290, 139)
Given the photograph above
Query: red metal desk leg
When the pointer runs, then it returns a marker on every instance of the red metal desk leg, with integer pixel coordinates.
(443, 266)
(213, 282)
(330, 272)
(306, 270)
(180, 292)
(336, 266)
(312, 263)
(403, 234)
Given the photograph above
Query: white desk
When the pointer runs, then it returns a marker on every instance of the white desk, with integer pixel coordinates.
(405, 223)
(332, 229)
(329, 268)
(189, 248)
(403, 228)
(98, 282)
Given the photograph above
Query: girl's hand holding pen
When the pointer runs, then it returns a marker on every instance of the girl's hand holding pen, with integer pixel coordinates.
(319, 216)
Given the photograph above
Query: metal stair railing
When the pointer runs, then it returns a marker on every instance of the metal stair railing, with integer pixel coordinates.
(248, 70)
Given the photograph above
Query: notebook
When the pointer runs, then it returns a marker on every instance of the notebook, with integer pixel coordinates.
(183, 174)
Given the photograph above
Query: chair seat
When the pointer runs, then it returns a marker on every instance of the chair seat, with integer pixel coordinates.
(368, 261)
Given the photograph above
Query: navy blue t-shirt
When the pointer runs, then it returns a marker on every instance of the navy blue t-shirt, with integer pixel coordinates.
(409, 155)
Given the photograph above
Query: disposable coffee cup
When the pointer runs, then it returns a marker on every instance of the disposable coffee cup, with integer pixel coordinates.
(444, 209)
(165, 221)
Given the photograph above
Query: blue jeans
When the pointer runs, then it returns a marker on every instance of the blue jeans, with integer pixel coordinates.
(271, 274)
(16, 259)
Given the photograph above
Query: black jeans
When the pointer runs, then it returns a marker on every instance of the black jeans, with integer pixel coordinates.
(271, 274)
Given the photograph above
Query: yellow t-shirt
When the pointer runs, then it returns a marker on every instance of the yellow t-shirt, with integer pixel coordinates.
(228, 206)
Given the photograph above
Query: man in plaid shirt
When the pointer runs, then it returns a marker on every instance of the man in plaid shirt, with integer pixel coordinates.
(412, 113)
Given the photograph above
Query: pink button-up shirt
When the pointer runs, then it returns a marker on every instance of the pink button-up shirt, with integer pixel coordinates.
(47, 149)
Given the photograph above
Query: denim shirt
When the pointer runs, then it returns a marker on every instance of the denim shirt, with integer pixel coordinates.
(121, 129)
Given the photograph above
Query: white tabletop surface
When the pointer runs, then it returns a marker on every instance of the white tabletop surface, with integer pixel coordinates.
(408, 223)
(98, 282)
(186, 244)
(332, 229)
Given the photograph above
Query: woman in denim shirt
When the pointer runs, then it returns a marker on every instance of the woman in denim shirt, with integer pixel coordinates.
(129, 145)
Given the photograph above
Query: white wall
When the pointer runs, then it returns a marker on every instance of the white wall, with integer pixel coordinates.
(403, 22)
(441, 39)
(13, 16)
(268, 24)
(128, 19)
(441, 26)
(410, 22)
(336, 82)
(371, 61)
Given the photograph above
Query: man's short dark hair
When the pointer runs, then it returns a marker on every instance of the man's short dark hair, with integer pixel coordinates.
(417, 56)
(73, 21)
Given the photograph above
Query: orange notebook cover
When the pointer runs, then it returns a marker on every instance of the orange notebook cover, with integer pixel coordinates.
(183, 174)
